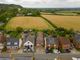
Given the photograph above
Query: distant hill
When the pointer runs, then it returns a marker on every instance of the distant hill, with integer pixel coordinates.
(7, 11)
(9, 5)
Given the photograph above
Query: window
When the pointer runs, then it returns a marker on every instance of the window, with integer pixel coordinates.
(15, 43)
(8, 43)
(31, 45)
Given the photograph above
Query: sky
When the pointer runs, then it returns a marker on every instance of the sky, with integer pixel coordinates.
(44, 3)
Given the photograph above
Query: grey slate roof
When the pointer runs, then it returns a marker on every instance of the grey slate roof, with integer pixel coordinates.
(51, 40)
(12, 41)
(77, 37)
(30, 37)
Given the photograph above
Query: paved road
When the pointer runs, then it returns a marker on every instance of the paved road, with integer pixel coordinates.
(66, 56)
(53, 56)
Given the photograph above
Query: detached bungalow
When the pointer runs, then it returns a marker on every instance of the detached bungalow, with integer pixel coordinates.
(64, 44)
(28, 42)
(76, 41)
(12, 43)
(51, 42)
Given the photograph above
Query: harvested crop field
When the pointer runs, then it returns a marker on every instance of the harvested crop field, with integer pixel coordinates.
(69, 22)
(28, 23)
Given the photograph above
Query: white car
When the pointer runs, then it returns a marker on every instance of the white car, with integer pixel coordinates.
(56, 51)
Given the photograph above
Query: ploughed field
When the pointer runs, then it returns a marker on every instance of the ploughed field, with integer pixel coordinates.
(28, 22)
(69, 22)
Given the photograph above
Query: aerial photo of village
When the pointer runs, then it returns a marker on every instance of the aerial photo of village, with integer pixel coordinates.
(39, 29)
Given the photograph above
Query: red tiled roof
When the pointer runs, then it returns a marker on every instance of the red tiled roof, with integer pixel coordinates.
(2, 38)
(63, 40)
(40, 38)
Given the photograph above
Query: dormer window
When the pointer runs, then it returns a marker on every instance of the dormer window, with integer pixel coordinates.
(8, 43)
(15, 43)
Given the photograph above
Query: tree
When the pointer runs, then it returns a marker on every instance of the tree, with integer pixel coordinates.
(19, 29)
(1, 28)
(61, 31)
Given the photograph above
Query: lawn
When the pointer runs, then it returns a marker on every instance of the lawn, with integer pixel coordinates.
(69, 22)
(28, 22)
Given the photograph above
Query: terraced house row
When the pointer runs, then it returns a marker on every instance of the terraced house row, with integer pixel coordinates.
(30, 42)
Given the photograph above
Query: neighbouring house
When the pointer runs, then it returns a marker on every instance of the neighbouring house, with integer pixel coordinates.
(29, 14)
(19, 14)
(76, 41)
(2, 40)
(2, 37)
(51, 42)
(25, 34)
(64, 44)
(40, 39)
(12, 43)
(28, 42)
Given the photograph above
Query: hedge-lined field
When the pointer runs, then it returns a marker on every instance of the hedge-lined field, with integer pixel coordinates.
(65, 21)
(28, 22)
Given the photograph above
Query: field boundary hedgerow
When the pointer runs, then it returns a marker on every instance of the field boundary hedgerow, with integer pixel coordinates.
(32, 23)
(53, 25)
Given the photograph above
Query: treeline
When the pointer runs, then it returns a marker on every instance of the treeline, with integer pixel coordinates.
(8, 11)
(11, 10)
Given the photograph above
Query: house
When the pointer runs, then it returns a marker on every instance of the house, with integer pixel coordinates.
(64, 44)
(28, 42)
(12, 43)
(2, 40)
(51, 42)
(40, 39)
(76, 41)
(29, 14)
(25, 34)
(2, 37)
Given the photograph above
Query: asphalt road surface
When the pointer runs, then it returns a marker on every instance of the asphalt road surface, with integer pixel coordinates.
(65, 56)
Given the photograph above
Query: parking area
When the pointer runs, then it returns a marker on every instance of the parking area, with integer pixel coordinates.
(40, 50)
(74, 51)
(4, 58)
(23, 58)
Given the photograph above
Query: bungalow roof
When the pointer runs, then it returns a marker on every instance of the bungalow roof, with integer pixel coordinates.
(51, 40)
(63, 40)
(77, 37)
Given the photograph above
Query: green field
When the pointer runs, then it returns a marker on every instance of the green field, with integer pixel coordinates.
(28, 23)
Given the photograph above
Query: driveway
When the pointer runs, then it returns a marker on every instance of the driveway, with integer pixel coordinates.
(74, 51)
(40, 50)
